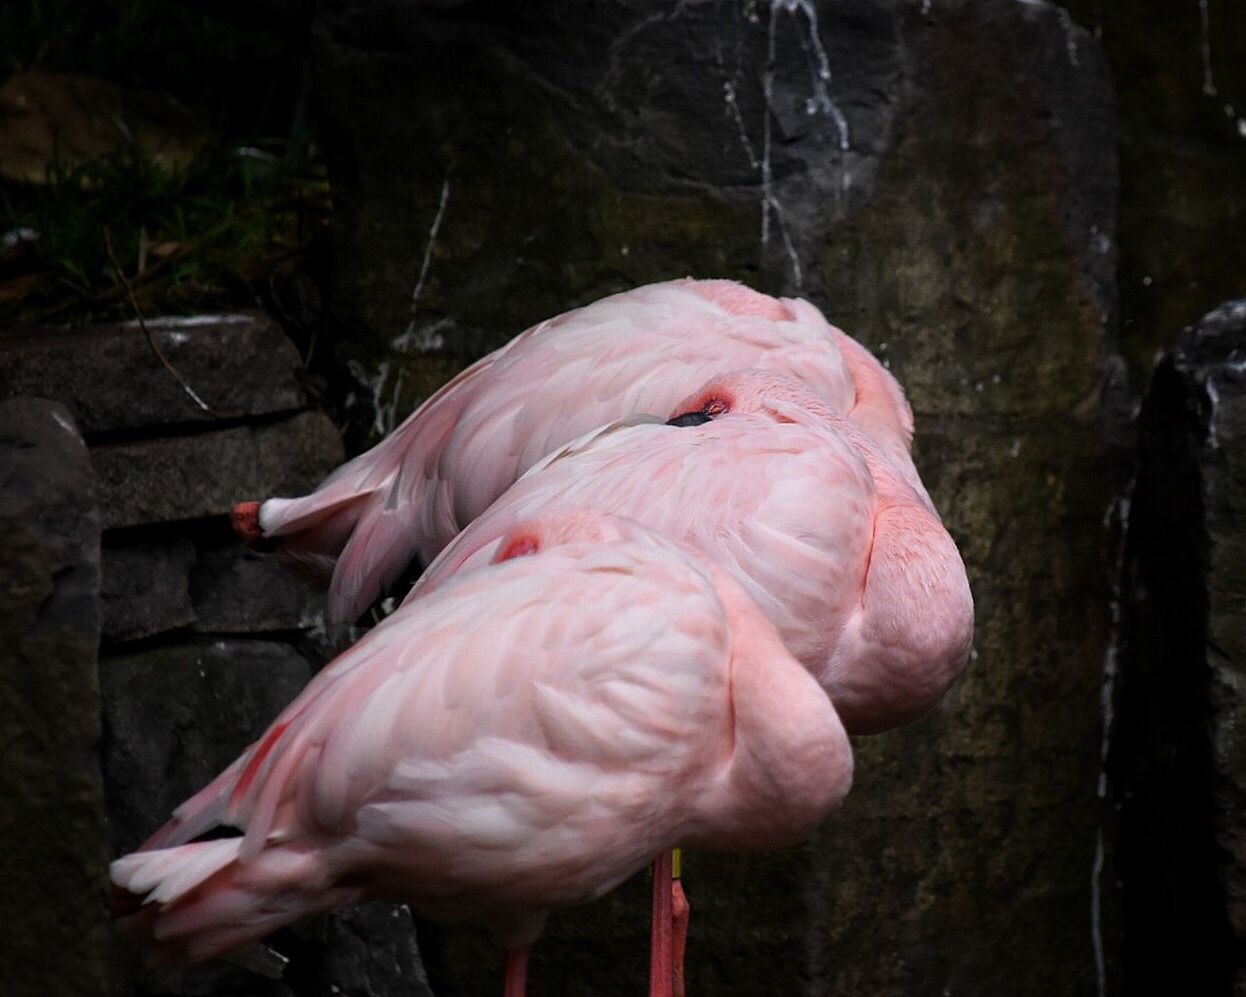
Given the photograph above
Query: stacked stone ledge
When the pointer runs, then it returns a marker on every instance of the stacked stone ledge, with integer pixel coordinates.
(201, 641)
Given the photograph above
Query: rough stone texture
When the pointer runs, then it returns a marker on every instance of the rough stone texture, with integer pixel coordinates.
(110, 378)
(175, 716)
(365, 951)
(1179, 757)
(145, 590)
(965, 233)
(1183, 162)
(52, 831)
(185, 477)
(236, 590)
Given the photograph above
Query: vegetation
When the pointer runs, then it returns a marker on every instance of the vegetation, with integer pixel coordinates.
(198, 232)
(185, 236)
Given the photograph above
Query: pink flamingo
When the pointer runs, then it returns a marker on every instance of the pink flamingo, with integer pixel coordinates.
(830, 533)
(640, 351)
(524, 738)
(820, 525)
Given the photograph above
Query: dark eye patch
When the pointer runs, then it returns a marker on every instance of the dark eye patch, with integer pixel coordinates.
(698, 417)
(689, 419)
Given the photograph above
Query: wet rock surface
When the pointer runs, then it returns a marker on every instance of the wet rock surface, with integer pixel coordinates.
(52, 825)
(1179, 756)
(948, 197)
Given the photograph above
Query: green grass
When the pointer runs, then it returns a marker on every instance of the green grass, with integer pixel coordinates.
(227, 217)
(209, 229)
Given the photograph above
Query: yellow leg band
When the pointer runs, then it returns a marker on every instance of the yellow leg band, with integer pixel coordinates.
(677, 857)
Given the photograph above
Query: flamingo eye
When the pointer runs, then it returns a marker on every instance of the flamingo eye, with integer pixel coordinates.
(699, 417)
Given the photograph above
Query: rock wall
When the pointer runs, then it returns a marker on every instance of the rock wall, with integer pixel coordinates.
(940, 179)
(1182, 147)
(1179, 760)
(199, 641)
(52, 824)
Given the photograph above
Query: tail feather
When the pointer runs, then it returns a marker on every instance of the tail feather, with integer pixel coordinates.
(200, 901)
(166, 875)
(308, 532)
(283, 517)
(199, 814)
(362, 524)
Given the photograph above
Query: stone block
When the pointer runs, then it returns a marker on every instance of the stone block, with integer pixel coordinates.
(365, 951)
(110, 378)
(53, 837)
(236, 590)
(204, 474)
(145, 588)
(175, 716)
(1179, 754)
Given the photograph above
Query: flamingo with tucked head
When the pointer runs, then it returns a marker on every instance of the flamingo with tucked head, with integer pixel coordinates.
(828, 533)
(639, 351)
(524, 738)
(831, 533)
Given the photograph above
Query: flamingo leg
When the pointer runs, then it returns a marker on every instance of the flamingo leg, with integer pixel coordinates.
(680, 912)
(661, 969)
(516, 972)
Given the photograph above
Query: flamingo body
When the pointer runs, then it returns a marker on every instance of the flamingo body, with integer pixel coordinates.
(526, 737)
(819, 524)
(639, 351)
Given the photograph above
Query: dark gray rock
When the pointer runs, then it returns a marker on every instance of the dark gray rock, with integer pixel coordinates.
(175, 716)
(186, 477)
(236, 590)
(1182, 159)
(366, 951)
(145, 588)
(53, 838)
(1179, 754)
(548, 153)
(110, 378)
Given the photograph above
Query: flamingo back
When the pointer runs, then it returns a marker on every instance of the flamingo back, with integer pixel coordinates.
(526, 737)
(638, 351)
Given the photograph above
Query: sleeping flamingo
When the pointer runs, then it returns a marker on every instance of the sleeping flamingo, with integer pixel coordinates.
(846, 558)
(525, 737)
(639, 351)
(818, 522)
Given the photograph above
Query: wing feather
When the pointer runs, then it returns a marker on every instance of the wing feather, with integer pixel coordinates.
(596, 667)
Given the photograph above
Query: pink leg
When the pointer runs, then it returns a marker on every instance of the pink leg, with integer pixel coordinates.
(680, 913)
(516, 972)
(661, 968)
